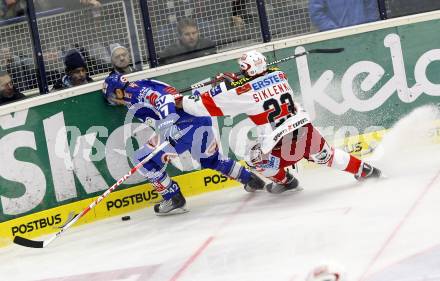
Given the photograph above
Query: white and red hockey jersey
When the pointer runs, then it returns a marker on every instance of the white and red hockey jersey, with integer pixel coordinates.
(267, 101)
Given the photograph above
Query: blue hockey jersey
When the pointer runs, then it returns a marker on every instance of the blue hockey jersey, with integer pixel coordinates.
(151, 99)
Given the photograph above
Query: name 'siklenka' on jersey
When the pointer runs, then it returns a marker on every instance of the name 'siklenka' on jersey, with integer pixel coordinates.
(285, 134)
(154, 100)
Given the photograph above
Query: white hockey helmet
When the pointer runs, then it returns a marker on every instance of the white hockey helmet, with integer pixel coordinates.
(252, 63)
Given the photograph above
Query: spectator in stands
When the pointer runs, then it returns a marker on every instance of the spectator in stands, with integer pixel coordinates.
(12, 8)
(241, 15)
(332, 14)
(120, 57)
(20, 67)
(8, 92)
(75, 71)
(96, 63)
(189, 46)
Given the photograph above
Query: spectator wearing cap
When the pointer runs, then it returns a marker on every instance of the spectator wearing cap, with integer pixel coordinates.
(75, 71)
(8, 92)
(120, 58)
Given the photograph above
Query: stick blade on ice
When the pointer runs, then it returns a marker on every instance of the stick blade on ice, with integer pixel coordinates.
(27, 242)
(41, 244)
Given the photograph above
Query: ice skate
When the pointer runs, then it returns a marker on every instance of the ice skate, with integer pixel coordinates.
(254, 184)
(367, 172)
(291, 184)
(175, 205)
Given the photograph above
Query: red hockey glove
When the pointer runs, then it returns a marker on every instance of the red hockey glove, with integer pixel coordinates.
(175, 93)
(227, 76)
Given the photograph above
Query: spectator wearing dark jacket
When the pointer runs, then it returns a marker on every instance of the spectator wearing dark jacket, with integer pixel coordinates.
(8, 92)
(76, 71)
(189, 46)
(332, 14)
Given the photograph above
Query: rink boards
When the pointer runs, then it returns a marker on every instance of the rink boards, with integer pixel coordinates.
(117, 203)
(143, 196)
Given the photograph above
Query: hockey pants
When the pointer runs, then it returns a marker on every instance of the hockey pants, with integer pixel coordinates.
(308, 143)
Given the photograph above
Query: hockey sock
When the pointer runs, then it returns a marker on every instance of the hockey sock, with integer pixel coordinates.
(344, 161)
(163, 184)
(167, 192)
(354, 165)
(280, 177)
(227, 167)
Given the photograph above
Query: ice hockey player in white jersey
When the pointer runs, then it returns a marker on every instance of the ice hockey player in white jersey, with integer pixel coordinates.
(285, 132)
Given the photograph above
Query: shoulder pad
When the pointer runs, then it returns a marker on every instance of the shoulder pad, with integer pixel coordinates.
(241, 81)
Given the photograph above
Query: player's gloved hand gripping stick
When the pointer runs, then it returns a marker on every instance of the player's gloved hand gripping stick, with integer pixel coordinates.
(228, 76)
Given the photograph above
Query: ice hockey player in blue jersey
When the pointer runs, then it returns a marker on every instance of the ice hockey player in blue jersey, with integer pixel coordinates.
(154, 100)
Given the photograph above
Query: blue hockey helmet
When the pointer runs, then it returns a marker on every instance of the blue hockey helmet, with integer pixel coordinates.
(112, 83)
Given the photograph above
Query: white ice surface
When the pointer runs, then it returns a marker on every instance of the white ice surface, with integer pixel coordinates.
(379, 230)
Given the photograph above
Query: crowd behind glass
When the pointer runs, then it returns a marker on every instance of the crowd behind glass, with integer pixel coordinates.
(83, 40)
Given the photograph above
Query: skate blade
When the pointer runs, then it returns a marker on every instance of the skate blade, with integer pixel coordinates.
(176, 211)
(251, 190)
(284, 191)
(370, 180)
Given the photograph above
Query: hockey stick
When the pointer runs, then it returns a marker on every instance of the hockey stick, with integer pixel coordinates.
(70, 217)
(41, 244)
(313, 51)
